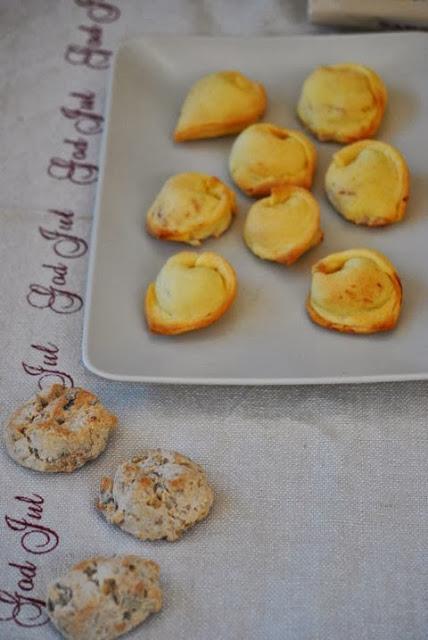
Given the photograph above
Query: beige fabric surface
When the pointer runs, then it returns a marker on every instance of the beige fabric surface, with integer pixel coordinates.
(319, 527)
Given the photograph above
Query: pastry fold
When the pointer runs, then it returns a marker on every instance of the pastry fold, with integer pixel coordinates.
(355, 291)
(368, 183)
(342, 102)
(283, 226)
(191, 291)
(266, 156)
(190, 208)
(220, 104)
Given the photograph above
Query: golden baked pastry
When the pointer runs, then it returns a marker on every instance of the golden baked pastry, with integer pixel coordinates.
(368, 183)
(220, 104)
(284, 225)
(342, 102)
(191, 207)
(191, 291)
(355, 291)
(265, 156)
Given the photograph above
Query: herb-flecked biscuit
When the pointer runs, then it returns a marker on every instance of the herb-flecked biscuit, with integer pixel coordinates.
(58, 429)
(102, 598)
(342, 102)
(157, 494)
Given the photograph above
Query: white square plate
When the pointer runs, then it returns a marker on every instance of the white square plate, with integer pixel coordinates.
(266, 337)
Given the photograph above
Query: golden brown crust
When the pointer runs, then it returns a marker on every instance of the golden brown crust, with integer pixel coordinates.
(342, 102)
(190, 208)
(176, 320)
(219, 104)
(368, 183)
(283, 226)
(387, 325)
(265, 157)
(214, 129)
(355, 291)
(295, 254)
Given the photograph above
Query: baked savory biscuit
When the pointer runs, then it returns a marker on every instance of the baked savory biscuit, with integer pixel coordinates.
(342, 102)
(191, 207)
(284, 225)
(355, 291)
(265, 156)
(58, 430)
(191, 291)
(220, 104)
(102, 598)
(368, 183)
(157, 494)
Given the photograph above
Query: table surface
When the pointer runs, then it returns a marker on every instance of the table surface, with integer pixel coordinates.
(319, 526)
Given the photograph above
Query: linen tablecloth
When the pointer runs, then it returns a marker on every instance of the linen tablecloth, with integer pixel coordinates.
(319, 527)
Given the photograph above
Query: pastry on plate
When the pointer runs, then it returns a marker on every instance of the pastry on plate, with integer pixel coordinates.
(191, 207)
(342, 102)
(367, 182)
(58, 429)
(355, 291)
(104, 597)
(284, 225)
(220, 104)
(157, 494)
(191, 291)
(265, 156)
